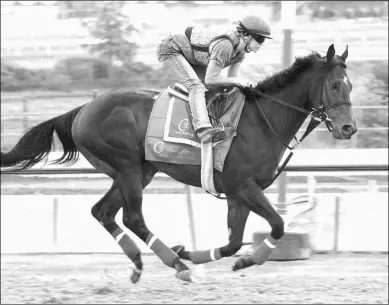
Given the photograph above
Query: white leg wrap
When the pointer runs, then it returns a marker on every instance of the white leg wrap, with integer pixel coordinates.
(152, 240)
(269, 244)
(212, 254)
(119, 237)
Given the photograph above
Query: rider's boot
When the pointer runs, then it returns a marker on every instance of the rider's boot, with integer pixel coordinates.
(203, 127)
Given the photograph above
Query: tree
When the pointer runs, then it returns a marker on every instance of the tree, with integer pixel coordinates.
(113, 32)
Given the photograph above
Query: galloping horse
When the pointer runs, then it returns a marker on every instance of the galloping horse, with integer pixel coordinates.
(110, 132)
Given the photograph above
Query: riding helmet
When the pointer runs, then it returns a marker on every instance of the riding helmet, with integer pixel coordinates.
(256, 25)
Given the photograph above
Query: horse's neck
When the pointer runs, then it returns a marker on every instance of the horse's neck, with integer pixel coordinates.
(287, 121)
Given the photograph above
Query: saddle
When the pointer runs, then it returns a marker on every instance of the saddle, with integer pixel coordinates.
(217, 99)
(170, 136)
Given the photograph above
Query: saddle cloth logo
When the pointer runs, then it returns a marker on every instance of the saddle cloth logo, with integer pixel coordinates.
(178, 128)
(170, 135)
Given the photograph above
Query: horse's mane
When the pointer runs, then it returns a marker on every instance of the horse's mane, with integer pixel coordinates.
(284, 77)
(288, 75)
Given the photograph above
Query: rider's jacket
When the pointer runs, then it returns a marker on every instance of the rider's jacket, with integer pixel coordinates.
(204, 40)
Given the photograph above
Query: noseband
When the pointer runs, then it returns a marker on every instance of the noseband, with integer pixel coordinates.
(322, 116)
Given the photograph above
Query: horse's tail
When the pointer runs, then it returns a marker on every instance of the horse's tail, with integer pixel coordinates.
(36, 143)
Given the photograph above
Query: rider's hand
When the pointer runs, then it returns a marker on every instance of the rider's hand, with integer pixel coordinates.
(241, 82)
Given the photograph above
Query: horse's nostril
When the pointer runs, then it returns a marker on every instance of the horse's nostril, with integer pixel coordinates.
(347, 129)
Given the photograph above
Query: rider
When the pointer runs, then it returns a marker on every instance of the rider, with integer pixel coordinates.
(199, 56)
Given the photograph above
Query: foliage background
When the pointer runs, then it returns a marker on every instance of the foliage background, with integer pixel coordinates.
(111, 65)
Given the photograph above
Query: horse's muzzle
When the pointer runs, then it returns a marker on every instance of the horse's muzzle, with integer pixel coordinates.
(346, 131)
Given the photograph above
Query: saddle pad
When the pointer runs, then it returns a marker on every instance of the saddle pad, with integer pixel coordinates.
(170, 135)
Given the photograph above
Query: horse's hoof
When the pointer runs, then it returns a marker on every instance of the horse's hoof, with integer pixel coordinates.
(178, 249)
(135, 276)
(241, 263)
(186, 276)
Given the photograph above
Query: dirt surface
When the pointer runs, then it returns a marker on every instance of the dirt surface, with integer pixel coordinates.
(103, 278)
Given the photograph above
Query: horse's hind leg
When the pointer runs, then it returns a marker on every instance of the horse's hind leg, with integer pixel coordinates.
(105, 211)
(107, 207)
(130, 183)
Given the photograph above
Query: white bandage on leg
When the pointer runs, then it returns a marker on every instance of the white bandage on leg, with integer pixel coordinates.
(269, 244)
(212, 254)
(119, 237)
(151, 241)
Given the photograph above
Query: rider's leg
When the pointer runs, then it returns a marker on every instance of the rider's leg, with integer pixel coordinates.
(185, 74)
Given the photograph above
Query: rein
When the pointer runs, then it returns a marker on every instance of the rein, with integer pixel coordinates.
(317, 116)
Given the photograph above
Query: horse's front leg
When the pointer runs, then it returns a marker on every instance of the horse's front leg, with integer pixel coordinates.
(236, 221)
(251, 194)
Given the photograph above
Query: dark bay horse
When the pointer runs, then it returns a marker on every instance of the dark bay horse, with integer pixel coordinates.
(110, 132)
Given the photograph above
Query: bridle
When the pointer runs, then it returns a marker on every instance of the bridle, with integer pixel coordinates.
(317, 116)
(321, 113)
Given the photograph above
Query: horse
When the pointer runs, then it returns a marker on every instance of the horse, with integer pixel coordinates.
(109, 132)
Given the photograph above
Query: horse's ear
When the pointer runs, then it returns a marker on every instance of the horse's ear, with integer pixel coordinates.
(345, 54)
(330, 53)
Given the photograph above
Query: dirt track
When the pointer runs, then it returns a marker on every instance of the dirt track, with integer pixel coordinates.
(101, 278)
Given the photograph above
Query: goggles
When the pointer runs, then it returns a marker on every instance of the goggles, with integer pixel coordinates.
(257, 35)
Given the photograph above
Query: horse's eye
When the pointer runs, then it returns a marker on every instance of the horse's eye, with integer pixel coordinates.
(334, 86)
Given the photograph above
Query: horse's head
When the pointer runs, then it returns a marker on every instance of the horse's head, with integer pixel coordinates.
(330, 94)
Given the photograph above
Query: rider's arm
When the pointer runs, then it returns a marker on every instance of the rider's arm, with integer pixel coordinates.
(233, 70)
(214, 78)
(220, 53)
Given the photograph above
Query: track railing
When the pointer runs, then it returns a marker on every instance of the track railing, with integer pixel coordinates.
(310, 161)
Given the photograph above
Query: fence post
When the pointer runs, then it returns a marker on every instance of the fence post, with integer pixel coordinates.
(2, 133)
(336, 224)
(281, 202)
(288, 15)
(55, 222)
(311, 187)
(372, 186)
(25, 114)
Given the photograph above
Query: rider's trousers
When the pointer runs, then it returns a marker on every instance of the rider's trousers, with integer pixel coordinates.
(185, 74)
